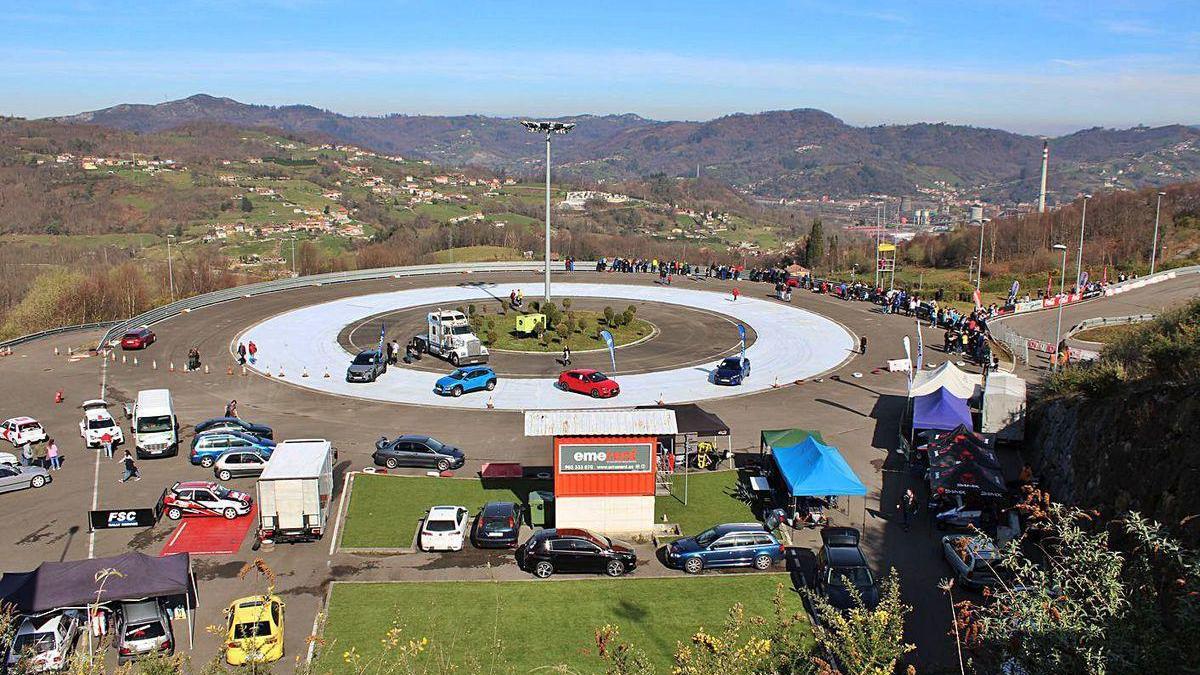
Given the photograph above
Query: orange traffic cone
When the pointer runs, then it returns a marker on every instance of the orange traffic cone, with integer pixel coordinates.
(58, 396)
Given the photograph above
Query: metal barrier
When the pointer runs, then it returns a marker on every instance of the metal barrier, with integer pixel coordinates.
(1108, 321)
(54, 331)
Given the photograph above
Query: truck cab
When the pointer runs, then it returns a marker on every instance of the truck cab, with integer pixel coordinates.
(155, 427)
(449, 336)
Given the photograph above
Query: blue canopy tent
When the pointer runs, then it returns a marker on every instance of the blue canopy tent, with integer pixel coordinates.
(940, 410)
(812, 469)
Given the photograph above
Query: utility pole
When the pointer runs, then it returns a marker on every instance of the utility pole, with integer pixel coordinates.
(293, 255)
(1154, 247)
(1082, 225)
(547, 128)
(979, 271)
(1062, 285)
(170, 267)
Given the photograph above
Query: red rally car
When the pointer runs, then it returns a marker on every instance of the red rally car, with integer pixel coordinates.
(202, 498)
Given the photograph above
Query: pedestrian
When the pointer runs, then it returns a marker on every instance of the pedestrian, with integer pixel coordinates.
(908, 507)
(131, 470)
(231, 409)
(391, 354)
(862, 345)
(26, 453)
(566, 355)
(52, 455)
(106, 442)
(736, 293)
(252, 349)
(241, 352)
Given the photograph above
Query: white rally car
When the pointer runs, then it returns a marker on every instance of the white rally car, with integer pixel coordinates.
(444, 529)
(203, 498)
(21, 430)
(96, 422)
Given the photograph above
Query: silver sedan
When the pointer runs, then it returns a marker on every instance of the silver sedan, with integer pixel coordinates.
(20, 477)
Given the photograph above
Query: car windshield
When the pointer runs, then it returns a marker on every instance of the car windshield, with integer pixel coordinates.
(104, 423)
(599, 540)
(845, 577)
(250, 629)
(434, 444)
(133, 336)
(497, 524)
(706, 537)
(221, 492)
(460, 330)
(155, 424)
(595, 377)
(144, 630)
(33, 643)
(439, 525)
(364, 359)
(457, 375)
(732, 364)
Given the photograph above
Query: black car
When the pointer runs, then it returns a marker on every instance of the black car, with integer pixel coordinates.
(235, 424)
(571, 550)
(498, 525)
(418, 451)
(841, 566)
(732, 371)
(367, 366)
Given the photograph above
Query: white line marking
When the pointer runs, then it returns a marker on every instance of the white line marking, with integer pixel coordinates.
(337, 517)
(177, 533)
(96, 472)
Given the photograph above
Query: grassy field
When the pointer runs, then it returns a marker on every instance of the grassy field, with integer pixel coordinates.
(384, 510)
(538, 625)
(507, 336)
(1105, 333)
(709, 502)
(476, 254)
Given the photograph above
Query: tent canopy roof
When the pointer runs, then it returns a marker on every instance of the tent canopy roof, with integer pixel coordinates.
(962, 385)
(782, 438)
(692, 419)
(55, 585)
(940, 410)
(812, 469)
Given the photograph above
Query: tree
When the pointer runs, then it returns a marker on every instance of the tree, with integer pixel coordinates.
(566, 303)
(564, 331)
(814, 250)
(247, 207)
(608, 316)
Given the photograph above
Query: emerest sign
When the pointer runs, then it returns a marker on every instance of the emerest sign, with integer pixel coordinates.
(605, 458)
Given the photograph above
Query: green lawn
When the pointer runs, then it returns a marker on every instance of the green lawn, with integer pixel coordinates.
(1106, 334)
(709, 502)
(384, 510)
(538, 624)
(476, 254)
(507, 336)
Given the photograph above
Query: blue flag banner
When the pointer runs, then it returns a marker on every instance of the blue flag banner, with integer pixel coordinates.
(381, 334)
(742, 337)
(612, 350)
(1012, 292)
(920, 347)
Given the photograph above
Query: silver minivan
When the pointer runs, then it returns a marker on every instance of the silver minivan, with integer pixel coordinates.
(143, 629)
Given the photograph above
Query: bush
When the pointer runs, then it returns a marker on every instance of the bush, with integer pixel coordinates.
(608, 316)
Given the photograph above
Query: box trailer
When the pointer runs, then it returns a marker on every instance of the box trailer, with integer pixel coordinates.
(295, 491)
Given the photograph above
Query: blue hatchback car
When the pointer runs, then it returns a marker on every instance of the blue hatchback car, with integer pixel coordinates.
(462, 380)
(730, 545)
(732, 371)
(206, 448)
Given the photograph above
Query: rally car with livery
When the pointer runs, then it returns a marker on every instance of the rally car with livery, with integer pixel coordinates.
(202, 498)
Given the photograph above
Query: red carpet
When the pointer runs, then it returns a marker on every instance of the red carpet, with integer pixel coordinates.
(210, 536)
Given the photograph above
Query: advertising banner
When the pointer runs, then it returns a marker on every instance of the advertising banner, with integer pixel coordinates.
(605, 458)
(612, 349)
(119, 518)
(742, 337)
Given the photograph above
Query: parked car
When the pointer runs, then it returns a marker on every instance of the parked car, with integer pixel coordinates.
(732, 371)
(13, 477)
(498, 525)
(138, 338)
(203, 498)
(444, 529)
(21, 430)
(463, 380)
(8, 458)
(143, 629)
(731, 545)
(574, 550)
(418, 451)
(239, 464)
(235, 424)
(207, 447)
(96, 422)
(841, 566)
(588, 381)
(973, 559)
(255, 630)
(45, 642)
(367, 366)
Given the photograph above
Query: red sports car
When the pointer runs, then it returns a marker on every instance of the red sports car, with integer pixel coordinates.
(139, 338)
(588, 381)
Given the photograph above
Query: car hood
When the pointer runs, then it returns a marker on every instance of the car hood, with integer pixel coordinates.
(840, 597)
(728, 372)
(448, 381)
(358, 369)
(34, 471)
(452, 451)
(622, 546)
(685, 545)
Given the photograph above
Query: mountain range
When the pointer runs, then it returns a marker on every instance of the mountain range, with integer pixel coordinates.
(776, 154)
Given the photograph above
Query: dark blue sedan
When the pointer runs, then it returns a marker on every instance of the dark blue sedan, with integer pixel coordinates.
(234, 424)
(732, 371)
(730, 545)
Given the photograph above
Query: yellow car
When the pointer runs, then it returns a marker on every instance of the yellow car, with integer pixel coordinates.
(255, 630)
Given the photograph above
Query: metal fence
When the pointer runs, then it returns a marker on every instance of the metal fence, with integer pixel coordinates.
(1097, 322)
(55, 331)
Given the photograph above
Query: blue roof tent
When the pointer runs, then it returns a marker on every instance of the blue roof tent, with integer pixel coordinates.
(812, 469)
(940, 410)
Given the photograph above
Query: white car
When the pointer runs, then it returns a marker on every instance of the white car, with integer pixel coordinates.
(8, 458)
(96, 422)
(444, 529)
(45, 643)
(21, 430)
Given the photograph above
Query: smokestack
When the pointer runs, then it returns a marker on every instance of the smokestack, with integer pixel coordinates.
(1045, 165)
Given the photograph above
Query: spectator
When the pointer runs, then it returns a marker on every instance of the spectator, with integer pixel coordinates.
(241, 354)
(131, 470)
(52, 455)
(231, 409)
(106, 442)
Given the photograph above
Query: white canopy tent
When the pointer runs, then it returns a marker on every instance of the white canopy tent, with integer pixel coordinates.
(962, 385)
(1004, 406)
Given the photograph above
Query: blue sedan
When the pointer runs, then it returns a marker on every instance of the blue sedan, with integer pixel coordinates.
(462, 380)
(732, 371)
(206, 448)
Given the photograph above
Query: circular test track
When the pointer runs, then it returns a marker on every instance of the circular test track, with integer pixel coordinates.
(793, 344)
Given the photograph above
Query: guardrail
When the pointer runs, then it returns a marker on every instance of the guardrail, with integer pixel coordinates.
(54, 331)
(1097, 322)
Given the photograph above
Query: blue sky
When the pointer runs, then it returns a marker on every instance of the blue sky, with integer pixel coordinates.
(1042, 67)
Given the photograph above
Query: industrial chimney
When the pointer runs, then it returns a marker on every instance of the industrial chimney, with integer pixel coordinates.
(1045, 165)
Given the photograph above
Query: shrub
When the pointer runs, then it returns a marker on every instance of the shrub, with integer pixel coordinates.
(608, 316)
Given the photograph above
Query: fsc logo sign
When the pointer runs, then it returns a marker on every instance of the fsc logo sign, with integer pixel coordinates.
(117, 518)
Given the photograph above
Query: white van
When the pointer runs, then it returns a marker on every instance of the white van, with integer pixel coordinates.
(155, 428)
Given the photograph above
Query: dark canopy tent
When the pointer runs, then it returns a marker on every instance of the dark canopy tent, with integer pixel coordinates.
(961, 445)
(812, 469)
(967, 478)
(692, 419)
(940, 410)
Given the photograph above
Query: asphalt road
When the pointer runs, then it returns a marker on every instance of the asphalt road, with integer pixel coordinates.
(860, 415)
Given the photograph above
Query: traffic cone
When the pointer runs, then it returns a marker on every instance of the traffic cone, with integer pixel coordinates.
(135, 361)
(153, 364)
(58, 396)
(172, 367)
(327, 374)
(304, 373)
(56, 351)
(206, 369)
(244, 372)
(123, 359)
(229, 370)
(490, 404)
(281, 371)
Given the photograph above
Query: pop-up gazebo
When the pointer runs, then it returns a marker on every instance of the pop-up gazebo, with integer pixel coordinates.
(940, 410)
(809, 468)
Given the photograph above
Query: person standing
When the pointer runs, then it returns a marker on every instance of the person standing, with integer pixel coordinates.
(241, 352)
(230, 409)
(52, 455)
(252, 349)
(736, 293)
(566, 355)
(391, 354)
(908, 507)
(131, 470)
(26, 453)
(106, 442)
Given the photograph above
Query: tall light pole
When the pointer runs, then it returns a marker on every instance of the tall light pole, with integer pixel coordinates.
(979, 272)
(170, 267)
(1082, 224)
(1154, 248)
(1062, 284)
(548, 128)
(293, 255)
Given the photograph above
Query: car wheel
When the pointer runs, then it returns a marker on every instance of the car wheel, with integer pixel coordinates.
(595, 393)
(207, 462)
(763, 562)
(230, 513)
(174, 513)
(38, 481)
(614, 568)
(457, 391)
(391, 463)
(543, 570)
(224, 474)
(454, 359)
(693, 566)
(443, 465)
(491, 384)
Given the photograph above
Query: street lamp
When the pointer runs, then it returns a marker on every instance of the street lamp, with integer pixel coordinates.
(1082, 224)
(170, 267)
(1062, 283)
(979, 272)
(1154, 248)
(293, 255)
(547, 128)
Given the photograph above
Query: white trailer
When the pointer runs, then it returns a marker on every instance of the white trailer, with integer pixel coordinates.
(449, 336)
(295, 491)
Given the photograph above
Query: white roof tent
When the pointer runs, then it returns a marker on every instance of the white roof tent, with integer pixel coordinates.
(959, 383)
(600, 423)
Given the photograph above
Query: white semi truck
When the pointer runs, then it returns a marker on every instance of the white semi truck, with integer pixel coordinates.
(449, 336)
